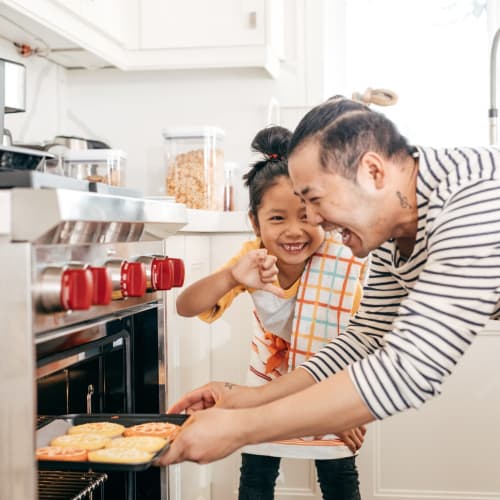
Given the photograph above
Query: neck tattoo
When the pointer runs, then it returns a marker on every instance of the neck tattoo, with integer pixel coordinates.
(403, 200)
(228, 385)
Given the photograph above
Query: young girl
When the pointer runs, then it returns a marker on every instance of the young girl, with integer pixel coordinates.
(288, 269)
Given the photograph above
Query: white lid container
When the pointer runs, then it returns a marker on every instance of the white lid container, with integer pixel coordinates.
(96, 165)
(194, 158)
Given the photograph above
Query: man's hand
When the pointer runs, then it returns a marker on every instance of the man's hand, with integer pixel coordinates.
(206, 436)
(220, 394)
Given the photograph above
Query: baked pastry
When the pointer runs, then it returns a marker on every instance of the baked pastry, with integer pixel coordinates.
(160, 429)
(146, 443)
(61, 453)
(85, 441)
(108, 429)
(120, 456)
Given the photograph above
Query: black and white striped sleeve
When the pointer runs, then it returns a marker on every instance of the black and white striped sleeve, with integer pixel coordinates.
(457, 290)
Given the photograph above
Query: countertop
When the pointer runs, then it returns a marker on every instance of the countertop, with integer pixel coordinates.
(208, 221)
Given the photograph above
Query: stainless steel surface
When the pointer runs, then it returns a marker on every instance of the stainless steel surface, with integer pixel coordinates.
(79, 143)
(6, 138)
(48, 289)
(15, 86)
(69, 485)
(32, 215)
(58, 216)
(147, 260)
(95, 255)
(114, 266)
(493, 111)
(71, 142)
(90, 392)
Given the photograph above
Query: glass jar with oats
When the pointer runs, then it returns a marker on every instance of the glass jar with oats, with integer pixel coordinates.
(195, 166)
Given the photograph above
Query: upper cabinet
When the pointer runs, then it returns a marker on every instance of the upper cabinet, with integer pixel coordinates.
(219, 33)
(163, 34)
(113, 18)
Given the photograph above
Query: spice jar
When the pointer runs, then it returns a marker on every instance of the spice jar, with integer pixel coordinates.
(229, 168)
(195, 166)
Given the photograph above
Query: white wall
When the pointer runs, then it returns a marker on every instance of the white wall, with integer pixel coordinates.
(130, 110)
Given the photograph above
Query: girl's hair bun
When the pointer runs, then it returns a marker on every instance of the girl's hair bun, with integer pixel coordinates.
(272, 142)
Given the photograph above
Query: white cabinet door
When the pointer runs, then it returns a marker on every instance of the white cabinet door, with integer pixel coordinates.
(114, 18)
(167, 24)
(176, 34)
(188, 351)
(74, 6)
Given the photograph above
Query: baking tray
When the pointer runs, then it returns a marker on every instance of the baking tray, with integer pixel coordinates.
(61, 423)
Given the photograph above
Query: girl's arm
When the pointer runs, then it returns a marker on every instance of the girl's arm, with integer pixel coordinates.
(255, 269)
(204, 294)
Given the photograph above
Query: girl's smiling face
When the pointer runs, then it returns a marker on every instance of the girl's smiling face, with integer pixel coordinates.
(283, 227)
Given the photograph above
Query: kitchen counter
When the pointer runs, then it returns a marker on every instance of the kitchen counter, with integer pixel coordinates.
(209, 221)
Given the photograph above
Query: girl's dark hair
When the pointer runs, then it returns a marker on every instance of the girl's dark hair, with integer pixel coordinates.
(345, 130)
(272, 143)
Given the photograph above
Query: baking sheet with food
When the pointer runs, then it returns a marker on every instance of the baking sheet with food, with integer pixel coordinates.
(63, 428)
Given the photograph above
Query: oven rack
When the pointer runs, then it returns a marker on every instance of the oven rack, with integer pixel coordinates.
(68, 485)
(42, 420)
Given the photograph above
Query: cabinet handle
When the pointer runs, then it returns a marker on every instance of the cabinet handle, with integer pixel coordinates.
(252, 20)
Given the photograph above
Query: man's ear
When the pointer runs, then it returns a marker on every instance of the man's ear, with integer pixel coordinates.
(255, 224)
(371, 171)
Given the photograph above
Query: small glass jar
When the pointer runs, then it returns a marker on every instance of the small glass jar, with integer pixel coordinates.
(195, 166)
(96, 165)
(229, 194)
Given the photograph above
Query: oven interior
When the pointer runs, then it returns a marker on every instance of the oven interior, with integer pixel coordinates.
(110, 367)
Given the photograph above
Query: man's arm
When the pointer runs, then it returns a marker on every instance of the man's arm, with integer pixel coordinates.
(331, 406)
(228, 395)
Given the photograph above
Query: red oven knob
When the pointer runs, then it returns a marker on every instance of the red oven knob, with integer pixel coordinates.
(162, 273)
(159, 272)
(133, 279)
(76, 289)
(103, 286)
(179, 271)
(128, 278)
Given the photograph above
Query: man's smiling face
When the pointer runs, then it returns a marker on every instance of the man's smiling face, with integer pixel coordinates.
(338, 203)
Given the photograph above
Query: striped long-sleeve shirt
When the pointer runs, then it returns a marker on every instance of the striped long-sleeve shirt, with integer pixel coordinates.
(418, 317)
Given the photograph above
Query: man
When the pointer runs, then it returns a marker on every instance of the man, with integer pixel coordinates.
(431, 220)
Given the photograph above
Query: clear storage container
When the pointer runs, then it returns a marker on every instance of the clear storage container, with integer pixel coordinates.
(195, 166)
(96, 165)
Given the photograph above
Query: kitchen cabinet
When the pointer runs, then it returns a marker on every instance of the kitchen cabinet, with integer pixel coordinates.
(220, 33)
(111, 17)
(160, 34)
(84, 22)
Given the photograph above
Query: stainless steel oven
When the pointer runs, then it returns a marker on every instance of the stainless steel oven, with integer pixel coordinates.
(85, 279)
